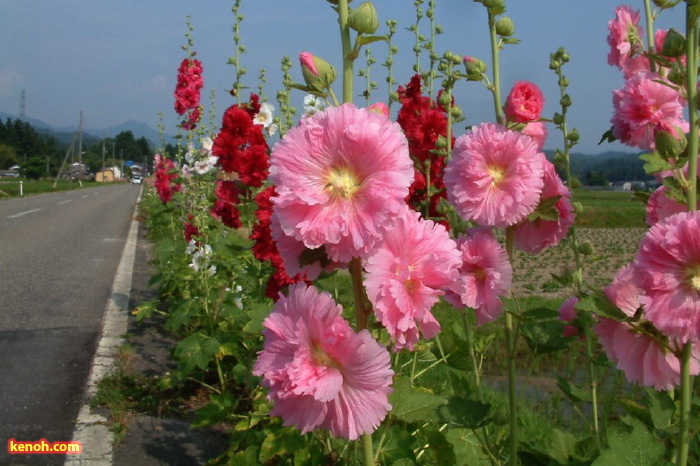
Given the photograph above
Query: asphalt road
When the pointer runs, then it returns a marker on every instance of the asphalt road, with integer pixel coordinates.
(58, 256)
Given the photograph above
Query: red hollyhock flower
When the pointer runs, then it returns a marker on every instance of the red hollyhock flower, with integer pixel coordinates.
(187, 91)
(424, 122)
(190, 229)
(165, 174)
(226, 206)
(265, 249)
(241, 145)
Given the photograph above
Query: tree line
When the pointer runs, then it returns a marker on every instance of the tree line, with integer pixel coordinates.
(41, 154)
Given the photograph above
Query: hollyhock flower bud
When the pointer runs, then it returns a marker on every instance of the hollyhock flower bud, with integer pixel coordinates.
(335, 2)
(318, 73)
(586, 248)
(494, 3)
(524, 103)
(669, 142)
(674, 44)
(364, 18)
(505, 27)
(475, 68)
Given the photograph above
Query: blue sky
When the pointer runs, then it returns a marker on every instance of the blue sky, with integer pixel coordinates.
(117, 61)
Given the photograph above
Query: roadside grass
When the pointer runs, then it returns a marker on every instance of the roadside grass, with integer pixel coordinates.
(609, 209)
(11, 189)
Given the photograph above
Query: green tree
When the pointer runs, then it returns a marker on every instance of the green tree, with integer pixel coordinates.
(8, 156)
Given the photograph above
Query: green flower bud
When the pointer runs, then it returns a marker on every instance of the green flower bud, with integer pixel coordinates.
(565, 101)
(670, 145)
(505, 27)
(573, 136)
(677, 75)
(674, 44)
(586, 248)
(558, 119)
(335, 2)
(318, 73)
(456, 112)
(578, 208)
(445, 100)
(475, 68)
(364, 19)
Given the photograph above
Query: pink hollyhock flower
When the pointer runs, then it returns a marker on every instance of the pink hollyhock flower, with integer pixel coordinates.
(319, 372)
(407, 274)
(624, 36)
(641, 107)
(341, 176)
(380, 108)
(567, 313)
(661, 206)
(485, 275)
(524, 103)
(638, 354)
(537, 130)
(495, 176)
(667, 268)
(535, 235)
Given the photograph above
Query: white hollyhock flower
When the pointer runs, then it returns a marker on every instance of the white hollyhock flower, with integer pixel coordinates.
(205, 165)
(264, 116)
(313, 104)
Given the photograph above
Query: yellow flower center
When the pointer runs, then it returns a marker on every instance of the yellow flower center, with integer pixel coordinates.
(694, 278)
(496, 174)
(321, 358)
(342, 183)
(480, 275)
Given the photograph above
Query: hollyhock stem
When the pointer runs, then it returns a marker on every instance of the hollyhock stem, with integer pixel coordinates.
(650, 32)
(361, 318)
(496, 85)
(348, 60)
(691, 85)
(686, 385)
(470, 345)
(510, 343)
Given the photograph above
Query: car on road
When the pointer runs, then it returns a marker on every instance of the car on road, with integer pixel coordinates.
(136, 179)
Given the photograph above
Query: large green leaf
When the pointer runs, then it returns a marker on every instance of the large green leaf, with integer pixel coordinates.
(635, 447)
(196, 350)
(414, 404)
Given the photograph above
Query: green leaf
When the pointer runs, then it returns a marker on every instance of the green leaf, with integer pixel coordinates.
(562, 446)
(543, 330)
(573, 392)
(546, 210)
(279, 442)
(608, 136)
(654, 163)
(398, 446)
(218, 409)
(145, 310)
(257, 312)
(661, 407)
(465, 412)
(248, 457)
(600, 305)
(196, 350)
(636, 410)
(364, 40)
(635, 447)
(466, 447)
(180, 315)
(414, 404)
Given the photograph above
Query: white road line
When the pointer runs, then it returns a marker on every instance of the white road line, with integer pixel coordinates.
(63, 202)
(84, 196)
(23, 213)
(90, 428)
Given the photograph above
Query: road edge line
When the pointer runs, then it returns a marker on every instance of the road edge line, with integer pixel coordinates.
(91, 429)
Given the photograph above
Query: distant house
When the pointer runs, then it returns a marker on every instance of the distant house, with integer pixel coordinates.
(108, 175)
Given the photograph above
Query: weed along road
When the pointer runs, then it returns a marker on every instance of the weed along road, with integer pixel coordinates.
(58, 257)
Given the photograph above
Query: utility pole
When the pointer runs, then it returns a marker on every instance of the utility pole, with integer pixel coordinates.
(80, 151)
(22, 108)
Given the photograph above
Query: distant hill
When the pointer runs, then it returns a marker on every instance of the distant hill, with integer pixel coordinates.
(64, 134)
(613, 165)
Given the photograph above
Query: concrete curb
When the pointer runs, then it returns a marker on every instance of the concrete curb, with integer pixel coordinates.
(91, 429)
